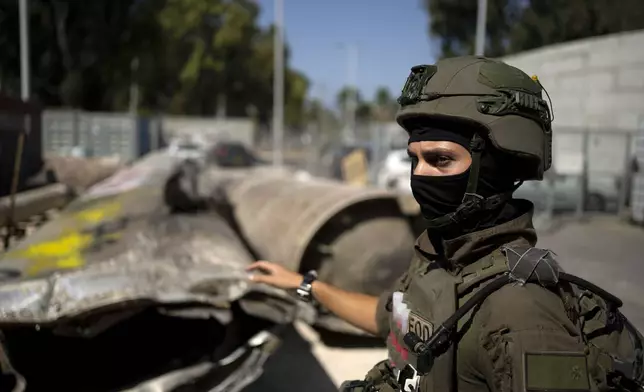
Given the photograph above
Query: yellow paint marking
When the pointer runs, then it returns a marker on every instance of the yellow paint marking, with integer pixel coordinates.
(63, 252)
(99, 213)
(66, 251)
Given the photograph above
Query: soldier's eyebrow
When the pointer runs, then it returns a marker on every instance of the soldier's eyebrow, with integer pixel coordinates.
(438, 151)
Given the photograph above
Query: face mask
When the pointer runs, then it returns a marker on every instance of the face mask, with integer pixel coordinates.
(440, 195)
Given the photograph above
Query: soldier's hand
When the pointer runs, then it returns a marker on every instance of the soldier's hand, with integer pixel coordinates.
(274, 275)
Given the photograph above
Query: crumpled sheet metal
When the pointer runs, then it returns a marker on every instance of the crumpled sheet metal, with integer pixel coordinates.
(280, 214)
(169, 262)
(109, 247)
(60, 242)
(152, 169)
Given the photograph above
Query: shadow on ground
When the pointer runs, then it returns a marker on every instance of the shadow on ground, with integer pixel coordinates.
(293, 368)
(340, 340)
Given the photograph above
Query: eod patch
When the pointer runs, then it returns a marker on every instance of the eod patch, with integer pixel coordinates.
(419, 325)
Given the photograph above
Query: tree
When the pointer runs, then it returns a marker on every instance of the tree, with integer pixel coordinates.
(363, 110)
(545, 22)
(453, 23)
(324, 118)
(345, 94)
(194, 57)
(222, 46)
(80, 51)
(517, 25)
(385, 106)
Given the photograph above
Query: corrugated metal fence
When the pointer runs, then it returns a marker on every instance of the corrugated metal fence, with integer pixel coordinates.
(71, 132)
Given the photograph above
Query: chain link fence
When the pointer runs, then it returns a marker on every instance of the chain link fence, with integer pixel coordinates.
(591, 172)
(592, 167)
(322, 152)
(128, 137)
(635, 171)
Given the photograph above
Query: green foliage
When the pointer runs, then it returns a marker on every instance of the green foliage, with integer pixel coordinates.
(187, 56)
(454, 23)
(546, 22)
(385, 105)
(345, 94)
(382, 108)
(518, 25)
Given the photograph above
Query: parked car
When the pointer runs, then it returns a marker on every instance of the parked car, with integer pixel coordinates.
(602, 194)
(395, 171)
(232, 154)
(187, 149)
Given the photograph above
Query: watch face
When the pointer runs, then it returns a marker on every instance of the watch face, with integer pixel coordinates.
(310, 277)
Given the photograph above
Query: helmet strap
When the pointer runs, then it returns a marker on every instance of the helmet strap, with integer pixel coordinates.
(477, 145)
(472, 202)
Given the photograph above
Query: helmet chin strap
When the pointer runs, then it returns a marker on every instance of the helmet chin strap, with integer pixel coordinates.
(472, 203)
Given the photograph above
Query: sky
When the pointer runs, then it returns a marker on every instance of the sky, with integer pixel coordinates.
(390, 37)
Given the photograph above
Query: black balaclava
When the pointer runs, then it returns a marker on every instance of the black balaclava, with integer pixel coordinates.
(442, 195)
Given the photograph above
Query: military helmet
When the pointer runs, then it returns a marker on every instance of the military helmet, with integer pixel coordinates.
(501, 101)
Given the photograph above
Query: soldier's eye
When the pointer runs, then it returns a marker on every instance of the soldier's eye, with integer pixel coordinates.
(438, 160)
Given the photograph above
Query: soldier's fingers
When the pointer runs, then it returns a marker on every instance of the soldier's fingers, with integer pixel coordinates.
(259, 278)
(263, 265)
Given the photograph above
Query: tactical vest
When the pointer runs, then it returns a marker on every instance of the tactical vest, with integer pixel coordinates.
(432, 304)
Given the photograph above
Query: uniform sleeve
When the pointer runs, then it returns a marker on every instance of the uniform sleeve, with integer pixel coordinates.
(527, 342)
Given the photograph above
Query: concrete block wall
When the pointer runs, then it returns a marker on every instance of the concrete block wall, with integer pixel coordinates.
(597, 87)
(596, 83)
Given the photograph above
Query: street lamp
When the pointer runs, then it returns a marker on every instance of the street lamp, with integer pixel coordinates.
(278, 84)
(24, 93)
(481, 20)
(351, 104)
(24, 50)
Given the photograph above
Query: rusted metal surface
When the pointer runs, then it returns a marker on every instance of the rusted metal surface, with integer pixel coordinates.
(116, 274)
(127, 238)
(357, 236)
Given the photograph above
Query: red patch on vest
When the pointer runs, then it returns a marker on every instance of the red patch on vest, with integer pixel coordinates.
(404, 353)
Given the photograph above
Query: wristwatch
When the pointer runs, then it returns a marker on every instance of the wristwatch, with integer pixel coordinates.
(304, 291)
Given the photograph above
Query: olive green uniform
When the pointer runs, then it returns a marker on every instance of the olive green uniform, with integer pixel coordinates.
(490, 311)
(512, 321)
(522, 337)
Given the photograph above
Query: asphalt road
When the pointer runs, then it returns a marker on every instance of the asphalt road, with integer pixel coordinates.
(608, 253)
(602, 250)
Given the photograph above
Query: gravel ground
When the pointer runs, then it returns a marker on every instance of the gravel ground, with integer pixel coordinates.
(602, 249)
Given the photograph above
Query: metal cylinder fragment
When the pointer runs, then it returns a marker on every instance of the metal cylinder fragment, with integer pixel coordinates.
(356, 237)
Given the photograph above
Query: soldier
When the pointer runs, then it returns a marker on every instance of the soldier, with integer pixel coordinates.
(480, 308)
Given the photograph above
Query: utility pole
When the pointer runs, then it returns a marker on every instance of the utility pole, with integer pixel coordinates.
(24, 50)
(24, 93)
(134, 86)
(278, 84)
(322, 115)
(481, 21)
(351, 104)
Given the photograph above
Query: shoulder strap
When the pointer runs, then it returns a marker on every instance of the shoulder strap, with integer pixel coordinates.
(482, 270)
(516, 264)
